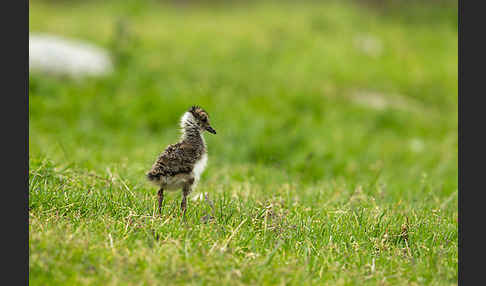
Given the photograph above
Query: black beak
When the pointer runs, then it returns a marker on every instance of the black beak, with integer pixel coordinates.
(211, 130)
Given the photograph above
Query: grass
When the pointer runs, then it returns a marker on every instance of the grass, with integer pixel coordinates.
(335, 161)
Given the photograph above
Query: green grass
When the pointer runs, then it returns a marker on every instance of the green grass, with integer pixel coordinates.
(332, 165)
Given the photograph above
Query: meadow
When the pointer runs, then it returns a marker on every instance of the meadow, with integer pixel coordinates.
(335, 161)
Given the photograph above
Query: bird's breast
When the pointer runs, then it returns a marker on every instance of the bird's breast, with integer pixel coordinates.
(200, 166)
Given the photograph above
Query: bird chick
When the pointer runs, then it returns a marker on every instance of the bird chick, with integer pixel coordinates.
(181, 164)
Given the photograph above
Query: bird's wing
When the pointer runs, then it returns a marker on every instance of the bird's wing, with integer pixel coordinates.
(177, 158)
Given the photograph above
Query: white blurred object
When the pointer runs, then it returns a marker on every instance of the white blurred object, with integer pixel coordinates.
(59, 56)
(369, 44)
(417, 145)
(199, 197)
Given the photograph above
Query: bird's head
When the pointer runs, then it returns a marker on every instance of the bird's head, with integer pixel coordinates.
(197, 117)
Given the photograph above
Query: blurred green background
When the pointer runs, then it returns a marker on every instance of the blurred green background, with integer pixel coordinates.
(290, 87)
(310, 93)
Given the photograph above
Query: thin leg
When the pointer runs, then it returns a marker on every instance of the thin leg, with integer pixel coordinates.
(183, 204)
(161, 198)
(185, 192)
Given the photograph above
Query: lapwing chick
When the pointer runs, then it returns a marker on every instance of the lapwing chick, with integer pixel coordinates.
(181, 164)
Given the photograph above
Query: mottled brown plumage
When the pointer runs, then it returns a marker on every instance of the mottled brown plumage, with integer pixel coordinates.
(181, 164)
(176, 159)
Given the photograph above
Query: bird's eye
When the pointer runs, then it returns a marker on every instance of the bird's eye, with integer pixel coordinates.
(204, 120)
